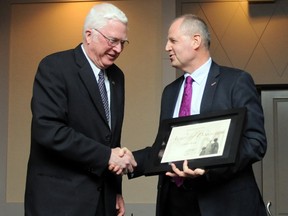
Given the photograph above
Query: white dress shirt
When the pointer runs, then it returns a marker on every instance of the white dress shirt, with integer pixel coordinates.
(200, 77)
(96, 71)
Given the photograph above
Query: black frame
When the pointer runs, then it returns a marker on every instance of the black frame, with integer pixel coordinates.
(230, 149)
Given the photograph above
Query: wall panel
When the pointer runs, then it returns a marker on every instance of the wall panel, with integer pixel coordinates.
(246, 35)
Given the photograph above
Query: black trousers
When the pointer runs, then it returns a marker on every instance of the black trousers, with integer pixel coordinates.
(101, 205)
(182, 201)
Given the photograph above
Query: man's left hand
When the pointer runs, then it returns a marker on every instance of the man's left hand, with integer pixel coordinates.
(187, 172)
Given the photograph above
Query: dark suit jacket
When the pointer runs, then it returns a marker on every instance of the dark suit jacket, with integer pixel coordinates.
(71, 141)
(222, 191)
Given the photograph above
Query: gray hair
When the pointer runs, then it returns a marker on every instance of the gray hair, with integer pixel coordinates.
(100, 14)
(193, 24)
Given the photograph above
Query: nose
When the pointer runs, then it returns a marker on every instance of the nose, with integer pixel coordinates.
(118, 48)
(167, 46)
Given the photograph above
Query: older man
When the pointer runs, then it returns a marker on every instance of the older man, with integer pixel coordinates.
(78, 108)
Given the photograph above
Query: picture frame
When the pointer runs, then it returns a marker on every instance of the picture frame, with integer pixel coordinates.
(204, 140)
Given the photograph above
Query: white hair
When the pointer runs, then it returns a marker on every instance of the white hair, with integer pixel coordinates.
(100, 14)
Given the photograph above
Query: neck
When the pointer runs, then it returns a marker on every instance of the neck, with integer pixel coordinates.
(198, 62)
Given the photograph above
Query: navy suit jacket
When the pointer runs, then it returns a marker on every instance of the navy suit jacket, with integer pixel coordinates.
(71, 140)
(230, 190)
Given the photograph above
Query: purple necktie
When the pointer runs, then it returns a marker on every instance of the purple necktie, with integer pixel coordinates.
(185, 110)
(185, 107)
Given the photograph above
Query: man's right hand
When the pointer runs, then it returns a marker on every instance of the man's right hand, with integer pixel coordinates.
(121, 161)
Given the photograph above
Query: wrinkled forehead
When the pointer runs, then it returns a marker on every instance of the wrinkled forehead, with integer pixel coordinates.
(176, 25)
(112, 24)
(175, 29)
(115, 28)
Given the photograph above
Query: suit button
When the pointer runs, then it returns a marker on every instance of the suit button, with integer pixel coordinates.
(108, 138)
(99, 188)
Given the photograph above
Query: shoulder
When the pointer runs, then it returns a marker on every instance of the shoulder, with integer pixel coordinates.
(229, 73)
(61, 56)
(58, 65)
(57, 58)
(175, 84)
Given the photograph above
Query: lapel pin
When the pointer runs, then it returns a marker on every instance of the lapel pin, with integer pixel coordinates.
(213, 84)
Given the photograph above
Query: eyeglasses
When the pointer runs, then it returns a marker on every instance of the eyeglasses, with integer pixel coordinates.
(113, 41)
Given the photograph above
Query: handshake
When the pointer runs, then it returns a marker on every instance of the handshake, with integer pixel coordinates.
(121, 161)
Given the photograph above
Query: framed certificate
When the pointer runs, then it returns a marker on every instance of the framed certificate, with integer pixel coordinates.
(204, 140)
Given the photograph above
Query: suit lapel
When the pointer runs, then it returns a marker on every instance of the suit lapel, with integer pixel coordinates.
(210, 88)
(89, 80)
(170, 98)
(175, 94)
(113, 99)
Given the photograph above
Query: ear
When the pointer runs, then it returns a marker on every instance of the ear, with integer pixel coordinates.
(196, 41)
(88, 36)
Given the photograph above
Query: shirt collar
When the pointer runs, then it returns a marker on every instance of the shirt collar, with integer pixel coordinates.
(201, 73)
(95, 69)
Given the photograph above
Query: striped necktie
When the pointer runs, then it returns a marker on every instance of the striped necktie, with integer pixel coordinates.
(103, 93)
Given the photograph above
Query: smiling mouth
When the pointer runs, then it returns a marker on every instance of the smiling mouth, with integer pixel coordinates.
(112, 56)
(171, 56)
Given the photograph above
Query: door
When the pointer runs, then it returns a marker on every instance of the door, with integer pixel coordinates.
(274, 164)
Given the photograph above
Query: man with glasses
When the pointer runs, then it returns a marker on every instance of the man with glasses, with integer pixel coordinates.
(78, 108)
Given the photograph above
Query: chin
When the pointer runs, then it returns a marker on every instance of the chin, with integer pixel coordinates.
(108, 63)
(173, 64)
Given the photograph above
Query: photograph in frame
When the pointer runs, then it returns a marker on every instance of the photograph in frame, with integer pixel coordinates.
(205, 141)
